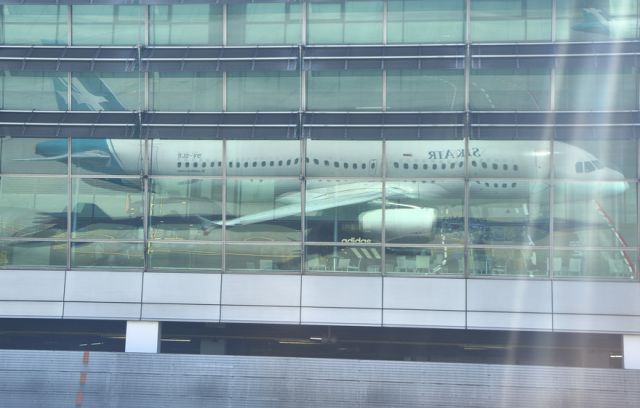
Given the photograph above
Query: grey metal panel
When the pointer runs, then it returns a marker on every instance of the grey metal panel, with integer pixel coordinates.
(595, 297)
(342, 291)
(423, 318)
(30, 309)
(167, 312)
(52, 379)
(596, 323)
(509, 321)
(341, 316)
(31, 285)
(266, 290)
(514, 295)
(88, 310)
(424, 293)
(260, 314)
(190, 288)
(103, 286)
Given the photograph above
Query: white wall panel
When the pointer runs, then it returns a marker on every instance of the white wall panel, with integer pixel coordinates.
(424, 293)
(195, 313)
(513, 295)
(595, 297)
(31, 285)
(189, 288)
(341, 316)
(260, 314)
(342, 291)
(509, 321)
(268, 290)
(595, 323)
(31, 309)
(86, 310)
(423, 318)
(92, 286)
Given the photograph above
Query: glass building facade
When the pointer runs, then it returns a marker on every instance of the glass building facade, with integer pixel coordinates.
(473, 138)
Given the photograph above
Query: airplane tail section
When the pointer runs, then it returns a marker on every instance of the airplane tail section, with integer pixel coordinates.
(88, 92)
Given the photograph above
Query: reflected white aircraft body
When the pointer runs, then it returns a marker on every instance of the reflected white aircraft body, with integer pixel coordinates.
(498, 169)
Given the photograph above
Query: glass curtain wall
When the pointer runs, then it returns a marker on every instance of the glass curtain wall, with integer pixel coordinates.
(321, 22)
(564, 207)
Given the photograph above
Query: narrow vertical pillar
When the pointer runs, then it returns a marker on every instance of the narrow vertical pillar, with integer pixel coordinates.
(142, 337)
(631, 351)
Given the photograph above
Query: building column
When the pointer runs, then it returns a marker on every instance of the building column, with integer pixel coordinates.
(631, 351)
(142, 337)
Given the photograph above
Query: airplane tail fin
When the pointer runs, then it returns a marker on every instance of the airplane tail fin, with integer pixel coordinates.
(88, 92)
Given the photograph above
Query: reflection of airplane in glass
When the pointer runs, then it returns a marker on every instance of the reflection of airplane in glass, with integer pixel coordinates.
(502, 170)
(506, 166)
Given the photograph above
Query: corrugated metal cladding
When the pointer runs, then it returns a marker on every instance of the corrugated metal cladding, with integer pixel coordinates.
(67, 379)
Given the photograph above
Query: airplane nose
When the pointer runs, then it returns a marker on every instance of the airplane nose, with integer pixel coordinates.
(51, 148)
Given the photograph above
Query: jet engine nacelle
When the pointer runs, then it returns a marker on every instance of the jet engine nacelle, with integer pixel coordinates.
(401, 222)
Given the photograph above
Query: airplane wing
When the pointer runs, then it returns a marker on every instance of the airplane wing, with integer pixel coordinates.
(317, 200)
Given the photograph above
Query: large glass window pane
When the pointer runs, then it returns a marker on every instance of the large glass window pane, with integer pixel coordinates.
(609, 156)
(185, 24)
(345, 22)
(185, 157)
(596, 20)
(34, 90)
(263, 158)
(430, 158)
(421, 212)
(185, 256)
(508, 212)
(340, 158)
(264, 23)
(29, 156)
(39, 254)
(425, 21)
(109, 92)
(183, 92)
(343, 259)
(107, 255)
(527, 262)
(263, 210)
(263, 91)
(107, 209)
(344, 90)
(106, 157)
(509, 20)
(580, 263)
(424, 261)
(508, 158)
(33, 207)
(262, 257)
(338, 210)
(595, 214)
(605, 88)
(185, 209)
(34, 24)
(424, 90)
(517, 89)
(107, 25)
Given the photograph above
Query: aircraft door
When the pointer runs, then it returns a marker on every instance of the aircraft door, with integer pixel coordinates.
(373, 167)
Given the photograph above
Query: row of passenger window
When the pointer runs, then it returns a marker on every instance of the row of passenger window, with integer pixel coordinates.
(325, 22)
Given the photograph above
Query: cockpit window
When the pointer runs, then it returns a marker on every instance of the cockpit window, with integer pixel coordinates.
(579, 167)
(589, 167)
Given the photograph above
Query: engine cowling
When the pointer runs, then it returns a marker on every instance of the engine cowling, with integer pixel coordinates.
(401, 222)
